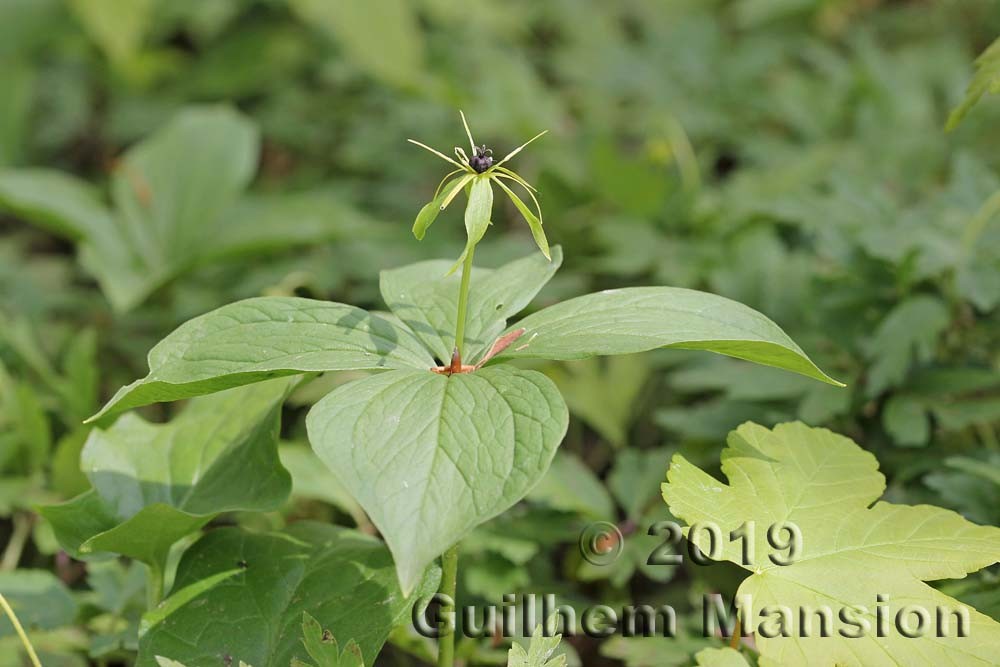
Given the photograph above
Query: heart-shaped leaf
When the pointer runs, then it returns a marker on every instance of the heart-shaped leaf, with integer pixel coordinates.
(256, 339)
(429, 457)
(637, 319)
(850, 550)
(426, 300)
(155, 483)
(263, 585)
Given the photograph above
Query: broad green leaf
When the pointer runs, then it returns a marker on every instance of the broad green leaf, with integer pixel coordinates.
(39, 599)
(381, 36)
(172, 189)
(986, 80)
(167, 220)
(426, 300)
(850, 550)
(637, 319)
(55, 201)
(343, 579)
(263, 223)
(261, 338)
(155, 483)
(429, 457)
(170, 193)
(539, 654)
(720, 657)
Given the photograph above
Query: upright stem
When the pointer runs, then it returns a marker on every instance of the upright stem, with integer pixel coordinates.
(154, 585)
(449, 560)
(32, 656)
(463, 302)
(449, 579)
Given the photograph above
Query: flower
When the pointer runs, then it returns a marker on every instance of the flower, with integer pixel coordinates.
(478, 173)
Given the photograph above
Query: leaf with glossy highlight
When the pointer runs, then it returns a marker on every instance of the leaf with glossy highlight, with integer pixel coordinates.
(266, 337)
(637, 319)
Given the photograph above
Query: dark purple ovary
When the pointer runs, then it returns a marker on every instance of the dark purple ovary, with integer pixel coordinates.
(482, 160)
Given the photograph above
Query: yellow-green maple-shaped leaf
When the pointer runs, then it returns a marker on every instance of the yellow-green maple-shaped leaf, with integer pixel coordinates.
(720, 657)
(851, 551)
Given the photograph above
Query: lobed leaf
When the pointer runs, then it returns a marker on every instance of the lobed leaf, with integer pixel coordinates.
(851, 550)
(720, 657)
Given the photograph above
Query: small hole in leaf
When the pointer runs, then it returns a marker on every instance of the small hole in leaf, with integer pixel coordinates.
(327, 636)
(499, 306)
(242, 564)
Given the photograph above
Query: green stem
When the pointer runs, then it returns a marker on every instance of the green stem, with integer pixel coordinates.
(449, 579)
(463, 301)
(154, 585)
(18, 538)
(32, 656)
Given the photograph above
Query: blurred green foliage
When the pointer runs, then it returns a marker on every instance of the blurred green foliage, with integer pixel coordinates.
(159, 158)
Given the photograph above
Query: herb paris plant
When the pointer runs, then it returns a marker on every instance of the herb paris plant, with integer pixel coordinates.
(431, 455)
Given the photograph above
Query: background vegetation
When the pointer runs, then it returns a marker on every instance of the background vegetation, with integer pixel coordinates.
(790, 154)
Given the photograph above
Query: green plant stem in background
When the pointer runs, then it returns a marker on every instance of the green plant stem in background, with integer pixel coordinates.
(463, 300)
(449, 577)
(32, 656)
(18, 538)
